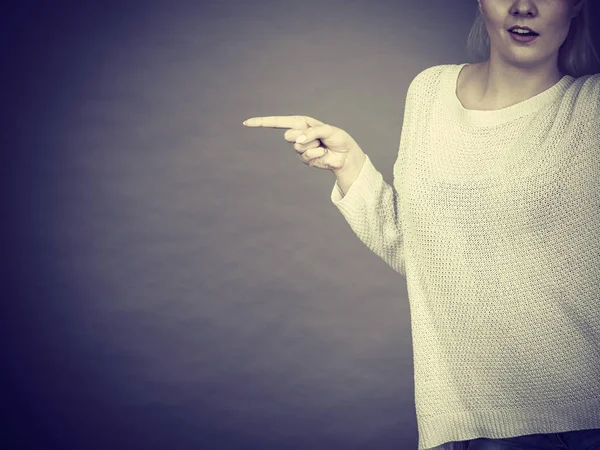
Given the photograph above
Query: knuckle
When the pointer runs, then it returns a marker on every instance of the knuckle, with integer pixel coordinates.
(301, 122)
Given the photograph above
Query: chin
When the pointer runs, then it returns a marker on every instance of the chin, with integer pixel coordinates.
(527, 62)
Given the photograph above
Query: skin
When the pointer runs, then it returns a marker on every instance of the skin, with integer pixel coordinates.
(515, 72)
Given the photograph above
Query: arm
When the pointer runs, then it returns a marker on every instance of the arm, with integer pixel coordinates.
(346, 176)
(371, 206)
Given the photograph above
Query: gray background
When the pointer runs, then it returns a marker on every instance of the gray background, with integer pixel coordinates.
(176, 280)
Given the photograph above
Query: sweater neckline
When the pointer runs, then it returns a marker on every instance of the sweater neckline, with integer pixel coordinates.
(499, 116)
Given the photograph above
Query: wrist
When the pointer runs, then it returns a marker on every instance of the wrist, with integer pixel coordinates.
(352, 164)
(350, 170)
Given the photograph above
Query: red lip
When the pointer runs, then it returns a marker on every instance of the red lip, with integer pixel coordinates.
(523, 39)
(524, 28)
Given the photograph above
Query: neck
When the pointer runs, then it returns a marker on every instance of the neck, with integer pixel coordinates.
(504, 84)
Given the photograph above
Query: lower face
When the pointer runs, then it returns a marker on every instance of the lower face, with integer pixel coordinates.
(531, 50)
(552, 21)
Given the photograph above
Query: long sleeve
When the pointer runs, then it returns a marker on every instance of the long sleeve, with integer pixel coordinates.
(370, 208)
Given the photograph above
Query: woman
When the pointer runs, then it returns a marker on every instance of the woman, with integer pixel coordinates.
(494, 218)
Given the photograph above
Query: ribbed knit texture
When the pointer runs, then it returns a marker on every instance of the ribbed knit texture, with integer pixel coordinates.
(494, 219)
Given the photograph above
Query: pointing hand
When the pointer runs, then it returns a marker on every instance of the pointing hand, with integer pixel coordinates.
(324, 146)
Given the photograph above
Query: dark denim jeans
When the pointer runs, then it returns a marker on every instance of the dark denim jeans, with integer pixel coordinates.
(569, 440)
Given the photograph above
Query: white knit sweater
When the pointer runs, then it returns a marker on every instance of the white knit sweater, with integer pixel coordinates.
(494, 219)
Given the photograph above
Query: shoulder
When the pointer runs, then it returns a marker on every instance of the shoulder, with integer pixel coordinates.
(591, 86)
(587, 85)
(582, 111)
(432, 74)
(427, 80)
(585, 91)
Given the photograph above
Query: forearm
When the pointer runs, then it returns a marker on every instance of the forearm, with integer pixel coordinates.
(372, 209)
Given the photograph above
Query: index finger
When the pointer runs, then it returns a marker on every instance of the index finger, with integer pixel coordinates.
(276, 122)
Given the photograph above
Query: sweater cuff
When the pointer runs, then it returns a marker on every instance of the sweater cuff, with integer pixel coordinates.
(361, 190)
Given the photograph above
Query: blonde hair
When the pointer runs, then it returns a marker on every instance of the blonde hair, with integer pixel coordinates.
(576, 56)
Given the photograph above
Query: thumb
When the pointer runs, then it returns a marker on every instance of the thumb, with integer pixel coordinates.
(311, 121)
(317, 132)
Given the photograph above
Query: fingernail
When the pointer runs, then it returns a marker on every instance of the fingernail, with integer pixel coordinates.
(300, 139)
(244, 123)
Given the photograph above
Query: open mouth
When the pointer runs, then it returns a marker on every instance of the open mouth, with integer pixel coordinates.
(523, 33)
(523, 36)
(522, 30)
